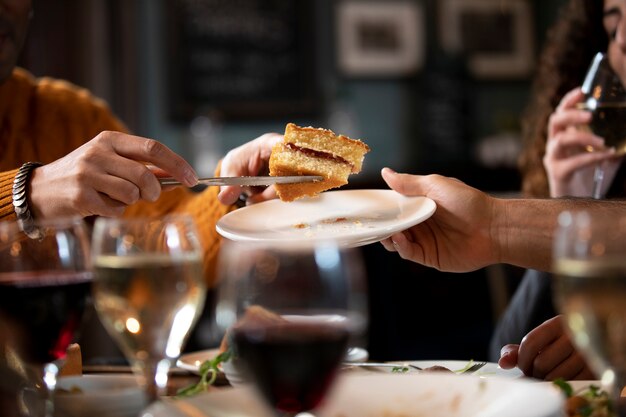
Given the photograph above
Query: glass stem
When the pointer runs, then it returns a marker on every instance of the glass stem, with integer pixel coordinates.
(156, 376)
(619, 403)
(50, 373)
(38, 395)
(613, 383)
(598, 179)
(616, 391)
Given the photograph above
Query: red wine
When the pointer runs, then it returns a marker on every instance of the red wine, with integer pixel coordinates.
(44, 310)
(293, 364)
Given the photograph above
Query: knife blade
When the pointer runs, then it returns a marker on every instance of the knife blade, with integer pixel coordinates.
(248, 180)
(382, 365)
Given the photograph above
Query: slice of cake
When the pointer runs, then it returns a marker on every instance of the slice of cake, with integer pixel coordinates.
(312, 151)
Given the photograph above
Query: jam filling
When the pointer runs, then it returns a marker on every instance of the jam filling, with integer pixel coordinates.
(318, 154)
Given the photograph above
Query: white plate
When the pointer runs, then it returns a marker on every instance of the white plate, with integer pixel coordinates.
(489, 370)
(376, 395)
(351, 217)
(192, 361)
(107, 395)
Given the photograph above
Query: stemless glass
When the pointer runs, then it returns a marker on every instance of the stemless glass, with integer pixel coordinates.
(590, 290)
(290, 311)
(148, 290)
(44, 288)
(605, 98)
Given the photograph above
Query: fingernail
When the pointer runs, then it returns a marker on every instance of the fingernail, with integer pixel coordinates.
(191, 178)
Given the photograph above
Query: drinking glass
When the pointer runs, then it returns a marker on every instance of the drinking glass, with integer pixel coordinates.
(590, 290)
(605, 98)
(44, 289)
(148, 290)
(289, 312)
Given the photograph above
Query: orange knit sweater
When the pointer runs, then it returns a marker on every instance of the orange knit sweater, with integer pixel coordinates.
(44, 119)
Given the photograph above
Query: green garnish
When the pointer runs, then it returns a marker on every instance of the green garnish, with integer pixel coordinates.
(208, 374)
(588, 402)
(595, 391)
(400, 369)
(565, 387)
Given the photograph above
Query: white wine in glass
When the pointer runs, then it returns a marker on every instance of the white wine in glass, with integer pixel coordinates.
(148, 290)
(605, 98)
(590, 290)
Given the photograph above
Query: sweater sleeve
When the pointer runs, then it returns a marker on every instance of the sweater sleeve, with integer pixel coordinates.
(44, 120)
(6, 195)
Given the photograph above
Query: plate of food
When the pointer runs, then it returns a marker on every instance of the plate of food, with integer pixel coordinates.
(307, 212)
(349, 217)
(488, 369)
(411, 394)
(585, 398)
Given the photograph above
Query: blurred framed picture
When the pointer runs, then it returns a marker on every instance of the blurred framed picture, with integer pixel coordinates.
(379, 38)
(496, 36)
(241, 60)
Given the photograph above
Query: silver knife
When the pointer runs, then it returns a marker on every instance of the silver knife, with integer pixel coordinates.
(249, 181)
(382, 365)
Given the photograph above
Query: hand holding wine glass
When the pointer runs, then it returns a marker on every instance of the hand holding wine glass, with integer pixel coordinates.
(44, 288)
(605, 98)
(148, 290)
(590, 290)
(290, 313)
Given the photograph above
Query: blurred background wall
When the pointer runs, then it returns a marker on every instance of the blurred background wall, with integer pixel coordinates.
(430, 85)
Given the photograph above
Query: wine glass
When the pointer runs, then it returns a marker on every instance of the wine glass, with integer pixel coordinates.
(44, 289)
(605, 98)
(148, 290)
(590, 290)
(290, 311)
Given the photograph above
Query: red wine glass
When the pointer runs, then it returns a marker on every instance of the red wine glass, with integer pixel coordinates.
(44, 288)
(289, 313)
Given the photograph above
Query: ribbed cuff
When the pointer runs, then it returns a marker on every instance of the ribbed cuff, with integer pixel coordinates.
(7, 212)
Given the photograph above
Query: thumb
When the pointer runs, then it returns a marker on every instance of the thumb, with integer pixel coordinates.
(508, 356)
(406, 184)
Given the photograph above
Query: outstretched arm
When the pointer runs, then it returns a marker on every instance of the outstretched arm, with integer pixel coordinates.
(470, 229)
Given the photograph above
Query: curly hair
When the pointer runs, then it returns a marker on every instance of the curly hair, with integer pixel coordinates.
(574, 39)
